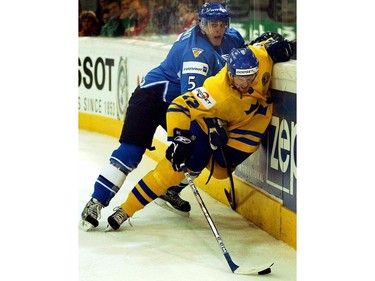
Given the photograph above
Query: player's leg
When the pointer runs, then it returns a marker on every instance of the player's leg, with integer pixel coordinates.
(152, 185)
(122, 161)
(171, 197)
(141, 121)
(171, 200)
(156, 181)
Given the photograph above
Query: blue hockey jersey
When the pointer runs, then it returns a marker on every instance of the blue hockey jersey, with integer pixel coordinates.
(191, 60)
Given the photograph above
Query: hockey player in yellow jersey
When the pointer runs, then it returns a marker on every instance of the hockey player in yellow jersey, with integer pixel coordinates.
(238, 97)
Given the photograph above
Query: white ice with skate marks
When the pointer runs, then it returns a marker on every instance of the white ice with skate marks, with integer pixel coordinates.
(165, 246)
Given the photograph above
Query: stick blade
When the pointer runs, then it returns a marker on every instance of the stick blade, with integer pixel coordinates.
(261, 270)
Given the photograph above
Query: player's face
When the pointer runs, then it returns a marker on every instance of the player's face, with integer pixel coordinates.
(243, 83)
(215, 31)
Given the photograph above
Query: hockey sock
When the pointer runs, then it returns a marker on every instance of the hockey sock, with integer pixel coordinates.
(178, 188)
(152, 185)
(104, 190)
(108, 184)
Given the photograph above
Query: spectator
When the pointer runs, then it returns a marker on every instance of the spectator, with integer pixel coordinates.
(89, 24)
(125, 5)
(282, 11)
(114, 27)
(124, 17)
(103, 4)
(92, 5)
(103, 15)
(161, 17)
(139, 17)
(106, 15)
(186, 17)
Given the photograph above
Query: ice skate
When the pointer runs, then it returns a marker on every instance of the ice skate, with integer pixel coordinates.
(91, 214)
(116, 219)
(171, 201)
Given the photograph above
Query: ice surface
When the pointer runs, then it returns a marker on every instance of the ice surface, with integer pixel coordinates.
(162, 245)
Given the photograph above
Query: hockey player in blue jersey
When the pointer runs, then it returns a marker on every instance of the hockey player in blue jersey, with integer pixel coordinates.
(197, 54)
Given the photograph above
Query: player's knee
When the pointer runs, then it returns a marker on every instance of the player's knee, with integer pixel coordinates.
(127, 157)
(165, 175)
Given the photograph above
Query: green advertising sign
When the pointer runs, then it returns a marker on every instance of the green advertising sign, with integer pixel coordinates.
(251, 29)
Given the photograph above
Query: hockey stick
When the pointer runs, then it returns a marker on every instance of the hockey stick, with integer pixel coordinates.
(263, 269)
(230, 196)
(213, 128)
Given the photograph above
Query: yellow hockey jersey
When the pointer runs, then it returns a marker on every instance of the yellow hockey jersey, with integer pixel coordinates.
(248, 115)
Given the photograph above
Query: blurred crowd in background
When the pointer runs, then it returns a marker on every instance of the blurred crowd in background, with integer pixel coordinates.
(116, 18)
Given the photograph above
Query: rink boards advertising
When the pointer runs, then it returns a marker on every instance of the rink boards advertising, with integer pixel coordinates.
(274, 166)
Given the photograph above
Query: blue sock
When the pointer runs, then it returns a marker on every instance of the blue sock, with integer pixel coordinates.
(104, 190)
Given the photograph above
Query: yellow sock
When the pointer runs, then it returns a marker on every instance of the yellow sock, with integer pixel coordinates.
(151, 186)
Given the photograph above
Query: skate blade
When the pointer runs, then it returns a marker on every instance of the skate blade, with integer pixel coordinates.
(165, 205)
(85, 225)
(108, 229)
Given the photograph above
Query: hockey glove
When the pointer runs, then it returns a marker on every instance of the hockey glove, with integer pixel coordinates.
(279, 51)
(217, 132)
(181, 149)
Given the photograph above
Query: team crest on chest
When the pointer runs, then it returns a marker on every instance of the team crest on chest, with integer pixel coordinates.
(265, 78)
(197, 52)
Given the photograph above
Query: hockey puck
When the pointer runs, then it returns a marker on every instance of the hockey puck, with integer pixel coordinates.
(265, 271)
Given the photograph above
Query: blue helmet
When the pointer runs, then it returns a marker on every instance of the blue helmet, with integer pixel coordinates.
(243, 62)
(213, 12)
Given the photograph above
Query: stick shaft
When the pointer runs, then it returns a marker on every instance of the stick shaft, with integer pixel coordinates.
(232, 199)
(207, 215)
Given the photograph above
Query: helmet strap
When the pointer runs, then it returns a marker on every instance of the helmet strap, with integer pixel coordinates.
(231, 77)
(203, 27)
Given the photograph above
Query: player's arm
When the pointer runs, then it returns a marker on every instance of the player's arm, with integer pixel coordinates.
(180, 113)
(187, 107)
(178, 130)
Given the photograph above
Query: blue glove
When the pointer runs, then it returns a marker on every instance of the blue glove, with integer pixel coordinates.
(181, 149)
